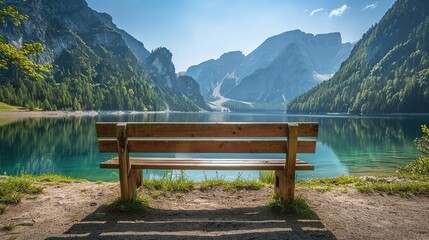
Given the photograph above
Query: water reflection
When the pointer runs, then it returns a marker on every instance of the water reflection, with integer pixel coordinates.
(346, 145)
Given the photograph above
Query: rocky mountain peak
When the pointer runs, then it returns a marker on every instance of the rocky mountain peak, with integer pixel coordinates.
(161, 68)
(235, 56)
(333, 38)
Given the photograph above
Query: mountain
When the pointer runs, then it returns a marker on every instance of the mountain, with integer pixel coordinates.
(210, 73)
(387, 71)
(281, 68)
(95, 65)
(179, 92)
(267, 52)
(306, 61)
(289, 74)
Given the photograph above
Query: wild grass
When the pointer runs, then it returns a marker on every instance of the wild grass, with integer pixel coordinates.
(298, 206)
(8, 226)
(370, 185)
(327, 184)
(401, 188)
(237, 184)
(2, 208)
(137, 204)
(267, 177)
(211, 183)
(51, 178)
(240, 184)
(178, 182)
(13, 189)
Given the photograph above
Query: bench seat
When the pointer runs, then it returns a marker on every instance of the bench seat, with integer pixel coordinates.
(206, 164)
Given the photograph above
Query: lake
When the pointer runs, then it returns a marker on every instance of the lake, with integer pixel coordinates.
(347, 145)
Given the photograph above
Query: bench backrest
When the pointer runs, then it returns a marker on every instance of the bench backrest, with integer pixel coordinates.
(207, 137)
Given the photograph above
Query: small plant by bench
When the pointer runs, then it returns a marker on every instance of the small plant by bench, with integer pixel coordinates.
(222, 138)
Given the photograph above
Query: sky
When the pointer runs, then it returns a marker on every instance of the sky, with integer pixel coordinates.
(199, 30)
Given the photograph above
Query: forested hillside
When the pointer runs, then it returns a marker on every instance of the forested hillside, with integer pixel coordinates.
(94, 65)
(387, 71)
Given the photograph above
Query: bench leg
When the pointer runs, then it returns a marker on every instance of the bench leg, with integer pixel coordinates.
(133, 181)
(284, 186)
(139, 178)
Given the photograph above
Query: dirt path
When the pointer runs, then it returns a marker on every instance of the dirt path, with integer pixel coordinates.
(75, 211)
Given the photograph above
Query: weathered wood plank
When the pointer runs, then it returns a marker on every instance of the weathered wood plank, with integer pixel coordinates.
(206, 164)
(207, 146)
(104, 129)
(291, 162)
(224, 129)
(123, 160)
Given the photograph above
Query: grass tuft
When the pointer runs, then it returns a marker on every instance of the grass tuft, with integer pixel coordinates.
(12, 189)
(267, 177)
(138, 203)
(240, 184)
(169, 183)
(8, 226)
(165, 185)
(298, 206)
(211, 183)
(2, 208)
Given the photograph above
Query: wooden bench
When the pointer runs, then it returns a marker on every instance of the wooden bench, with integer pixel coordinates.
(225, 137)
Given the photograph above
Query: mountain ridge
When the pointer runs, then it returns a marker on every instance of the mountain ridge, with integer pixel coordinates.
(387, 71)
(95, 64)
(259, 78)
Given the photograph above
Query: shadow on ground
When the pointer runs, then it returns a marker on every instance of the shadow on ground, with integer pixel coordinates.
(234, 223)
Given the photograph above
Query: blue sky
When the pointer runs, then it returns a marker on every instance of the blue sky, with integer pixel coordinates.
(198, 30)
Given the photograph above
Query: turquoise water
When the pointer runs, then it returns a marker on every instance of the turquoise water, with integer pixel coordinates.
(346, 144)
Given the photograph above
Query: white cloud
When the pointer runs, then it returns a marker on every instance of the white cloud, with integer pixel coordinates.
(370, 6)
(316, 11)
(339, 11)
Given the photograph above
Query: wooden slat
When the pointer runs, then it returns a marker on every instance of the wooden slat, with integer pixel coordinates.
(206, 164)
(207, 146)
(105, 129)
(224, 129)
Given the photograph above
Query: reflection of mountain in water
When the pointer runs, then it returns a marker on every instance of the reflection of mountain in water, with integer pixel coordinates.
(44, 145)
(371, 144)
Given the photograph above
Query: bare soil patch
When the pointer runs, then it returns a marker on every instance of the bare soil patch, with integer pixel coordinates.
(76, 211)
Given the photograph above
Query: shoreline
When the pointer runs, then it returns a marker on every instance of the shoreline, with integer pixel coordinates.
(30, 114)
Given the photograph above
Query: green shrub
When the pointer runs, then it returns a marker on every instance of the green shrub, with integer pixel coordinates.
(417, 169)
